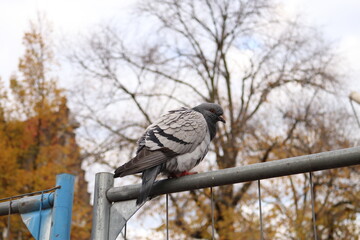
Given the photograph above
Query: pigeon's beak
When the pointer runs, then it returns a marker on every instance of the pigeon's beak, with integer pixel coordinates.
(221, 119)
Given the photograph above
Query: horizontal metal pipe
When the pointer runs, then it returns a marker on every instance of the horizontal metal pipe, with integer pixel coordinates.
(277, 168)
(355, 96)
(27, 204)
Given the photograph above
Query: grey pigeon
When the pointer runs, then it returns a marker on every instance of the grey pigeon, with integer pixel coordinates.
(173, 145)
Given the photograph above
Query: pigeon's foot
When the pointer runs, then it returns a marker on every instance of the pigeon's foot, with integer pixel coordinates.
(177, 175)
(187, 173)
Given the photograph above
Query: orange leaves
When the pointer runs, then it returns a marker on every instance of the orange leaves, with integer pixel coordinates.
(37, 138)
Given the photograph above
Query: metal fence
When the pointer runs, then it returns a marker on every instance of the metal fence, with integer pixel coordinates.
(114, 206)
(47, 213)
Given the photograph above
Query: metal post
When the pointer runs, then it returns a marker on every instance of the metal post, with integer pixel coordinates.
(167, 216)
(62, 209)
(40, 210)
(354, 111)
(260, 211)
(101, 213)
(9, 222)
(212, 214)
(125, 230)
(355, 96)
(313, 206)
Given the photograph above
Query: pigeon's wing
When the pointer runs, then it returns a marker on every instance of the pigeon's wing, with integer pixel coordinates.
(145, 159)
(175, 133)
(180, 131)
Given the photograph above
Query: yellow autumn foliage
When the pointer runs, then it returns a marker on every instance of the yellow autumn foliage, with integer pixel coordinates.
(37, 135)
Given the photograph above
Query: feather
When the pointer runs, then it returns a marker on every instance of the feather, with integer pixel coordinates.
(173, 144)
(148, 178)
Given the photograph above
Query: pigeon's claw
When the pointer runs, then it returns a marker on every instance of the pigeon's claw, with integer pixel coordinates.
(185, 173)
(177, 175)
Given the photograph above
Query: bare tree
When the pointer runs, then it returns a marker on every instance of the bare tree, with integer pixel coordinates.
(242, 54)
(320, 128)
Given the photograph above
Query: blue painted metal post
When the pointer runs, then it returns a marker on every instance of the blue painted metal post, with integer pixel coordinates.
(62, 209)
(36, 213)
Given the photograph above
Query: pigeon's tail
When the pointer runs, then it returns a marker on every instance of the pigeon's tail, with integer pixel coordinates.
(148, 179)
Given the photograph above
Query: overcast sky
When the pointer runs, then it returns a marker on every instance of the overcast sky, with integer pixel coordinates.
(339, 20)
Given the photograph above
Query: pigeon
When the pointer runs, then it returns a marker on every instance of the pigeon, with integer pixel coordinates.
(173, 145)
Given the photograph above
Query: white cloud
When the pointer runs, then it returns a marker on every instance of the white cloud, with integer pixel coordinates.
(350, 47)
(68, 18)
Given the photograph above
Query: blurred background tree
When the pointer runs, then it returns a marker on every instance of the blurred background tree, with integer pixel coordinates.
(275, 77)
(37, 133)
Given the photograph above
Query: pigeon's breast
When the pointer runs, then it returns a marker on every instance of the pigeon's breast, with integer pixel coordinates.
(188, 161)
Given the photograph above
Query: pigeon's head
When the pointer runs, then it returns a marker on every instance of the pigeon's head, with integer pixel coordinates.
(211, 111)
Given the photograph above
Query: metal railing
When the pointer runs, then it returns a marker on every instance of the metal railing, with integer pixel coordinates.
(48, 213)
(114, 206)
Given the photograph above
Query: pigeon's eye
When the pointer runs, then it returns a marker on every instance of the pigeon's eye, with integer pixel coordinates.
(212, 110)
